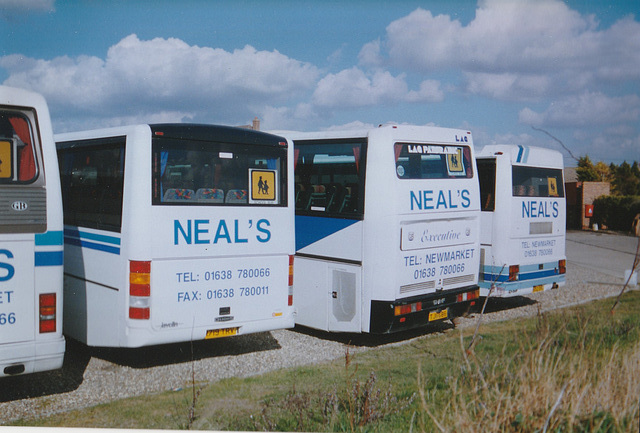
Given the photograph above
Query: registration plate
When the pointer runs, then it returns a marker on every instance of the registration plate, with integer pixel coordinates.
(538, 288)
(219, 333)
(434, 315)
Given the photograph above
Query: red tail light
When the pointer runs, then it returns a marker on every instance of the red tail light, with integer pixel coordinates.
(468, 296)
(562, 266)
(139, 290)
(400, 310)
(47, 312)
(514, 270)
(290, 298)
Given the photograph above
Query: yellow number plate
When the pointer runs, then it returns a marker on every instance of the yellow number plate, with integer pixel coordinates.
(219, 333)
(538, 288)
(438, 316)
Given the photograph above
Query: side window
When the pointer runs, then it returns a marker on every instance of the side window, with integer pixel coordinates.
(92, 180)
(17, 148)
(537, 182)
(487, 179)
(429, 161)
(329, 177)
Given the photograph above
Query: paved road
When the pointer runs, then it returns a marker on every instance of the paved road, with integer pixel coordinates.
(609, 253)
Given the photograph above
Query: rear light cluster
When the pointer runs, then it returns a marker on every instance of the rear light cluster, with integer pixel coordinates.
(514, 270)
(468, 296)
(47, 310)
(139, 290)
(400, 310)
(562, 266)
(290, 299)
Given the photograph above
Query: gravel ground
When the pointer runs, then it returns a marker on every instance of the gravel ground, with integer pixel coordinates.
(91, 376)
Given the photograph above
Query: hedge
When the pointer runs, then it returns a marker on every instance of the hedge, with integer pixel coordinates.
(616, 212)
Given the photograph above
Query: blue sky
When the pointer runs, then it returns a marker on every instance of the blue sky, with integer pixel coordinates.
(499, 68)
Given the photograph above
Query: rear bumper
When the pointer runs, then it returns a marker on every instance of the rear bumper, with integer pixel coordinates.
(384, 321)
(505, 289)
(31, 357)
(140, 337)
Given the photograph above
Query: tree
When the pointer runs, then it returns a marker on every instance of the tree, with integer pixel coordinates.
(626, 180)
(604, 174)
(586, 170)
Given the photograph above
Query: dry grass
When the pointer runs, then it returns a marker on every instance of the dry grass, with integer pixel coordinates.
(549, 383)
(573, 370)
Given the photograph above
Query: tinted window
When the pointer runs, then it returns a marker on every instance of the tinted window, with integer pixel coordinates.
(92, 184)
(537, 182)
(428, 161)
(487, 179)
(189, 172)
(17, 148)
(330, 177)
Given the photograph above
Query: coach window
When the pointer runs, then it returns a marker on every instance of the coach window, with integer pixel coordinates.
(17, 150)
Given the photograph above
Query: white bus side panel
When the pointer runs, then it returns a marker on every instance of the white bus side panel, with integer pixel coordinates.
(331, 295)
(31, 263)
(93, 290)
(17, 291)
(328, 290)
(335, 242)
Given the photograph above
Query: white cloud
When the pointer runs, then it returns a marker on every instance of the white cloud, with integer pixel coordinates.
(141, 77)
(357, 124)
(585, 110)
(170, 67)
(10, 9)
(513, 49)
(510, 138)
(423, 42)
(95, 122)
(370, 54)
(81, 82)
(289, 118)
(356, 88)
(507, 85)
(27, 5)
(429, 91)
(610, 147)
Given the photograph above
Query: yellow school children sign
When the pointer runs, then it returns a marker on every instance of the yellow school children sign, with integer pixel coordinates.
(263, 186)
(553, 186)
(455, 166)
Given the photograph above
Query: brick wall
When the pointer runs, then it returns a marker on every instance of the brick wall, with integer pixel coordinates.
(590, 192)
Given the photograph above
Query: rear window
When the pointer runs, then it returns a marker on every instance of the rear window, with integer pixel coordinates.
(17, 149)
(190, 172)
(537, 182)
(430, 161)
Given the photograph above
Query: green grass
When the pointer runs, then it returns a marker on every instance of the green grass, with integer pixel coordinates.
(573, 370)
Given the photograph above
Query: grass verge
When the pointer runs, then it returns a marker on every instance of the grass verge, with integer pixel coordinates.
(572, 370)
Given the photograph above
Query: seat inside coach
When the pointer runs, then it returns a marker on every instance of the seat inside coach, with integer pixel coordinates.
(178, 194)
(210, 195)
(205, 195)
(236, 196)
(332, 198)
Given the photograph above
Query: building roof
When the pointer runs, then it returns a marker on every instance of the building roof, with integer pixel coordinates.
(570, 175)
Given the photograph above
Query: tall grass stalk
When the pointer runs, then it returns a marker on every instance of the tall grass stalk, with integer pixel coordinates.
(352, 405)
(546, 384)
